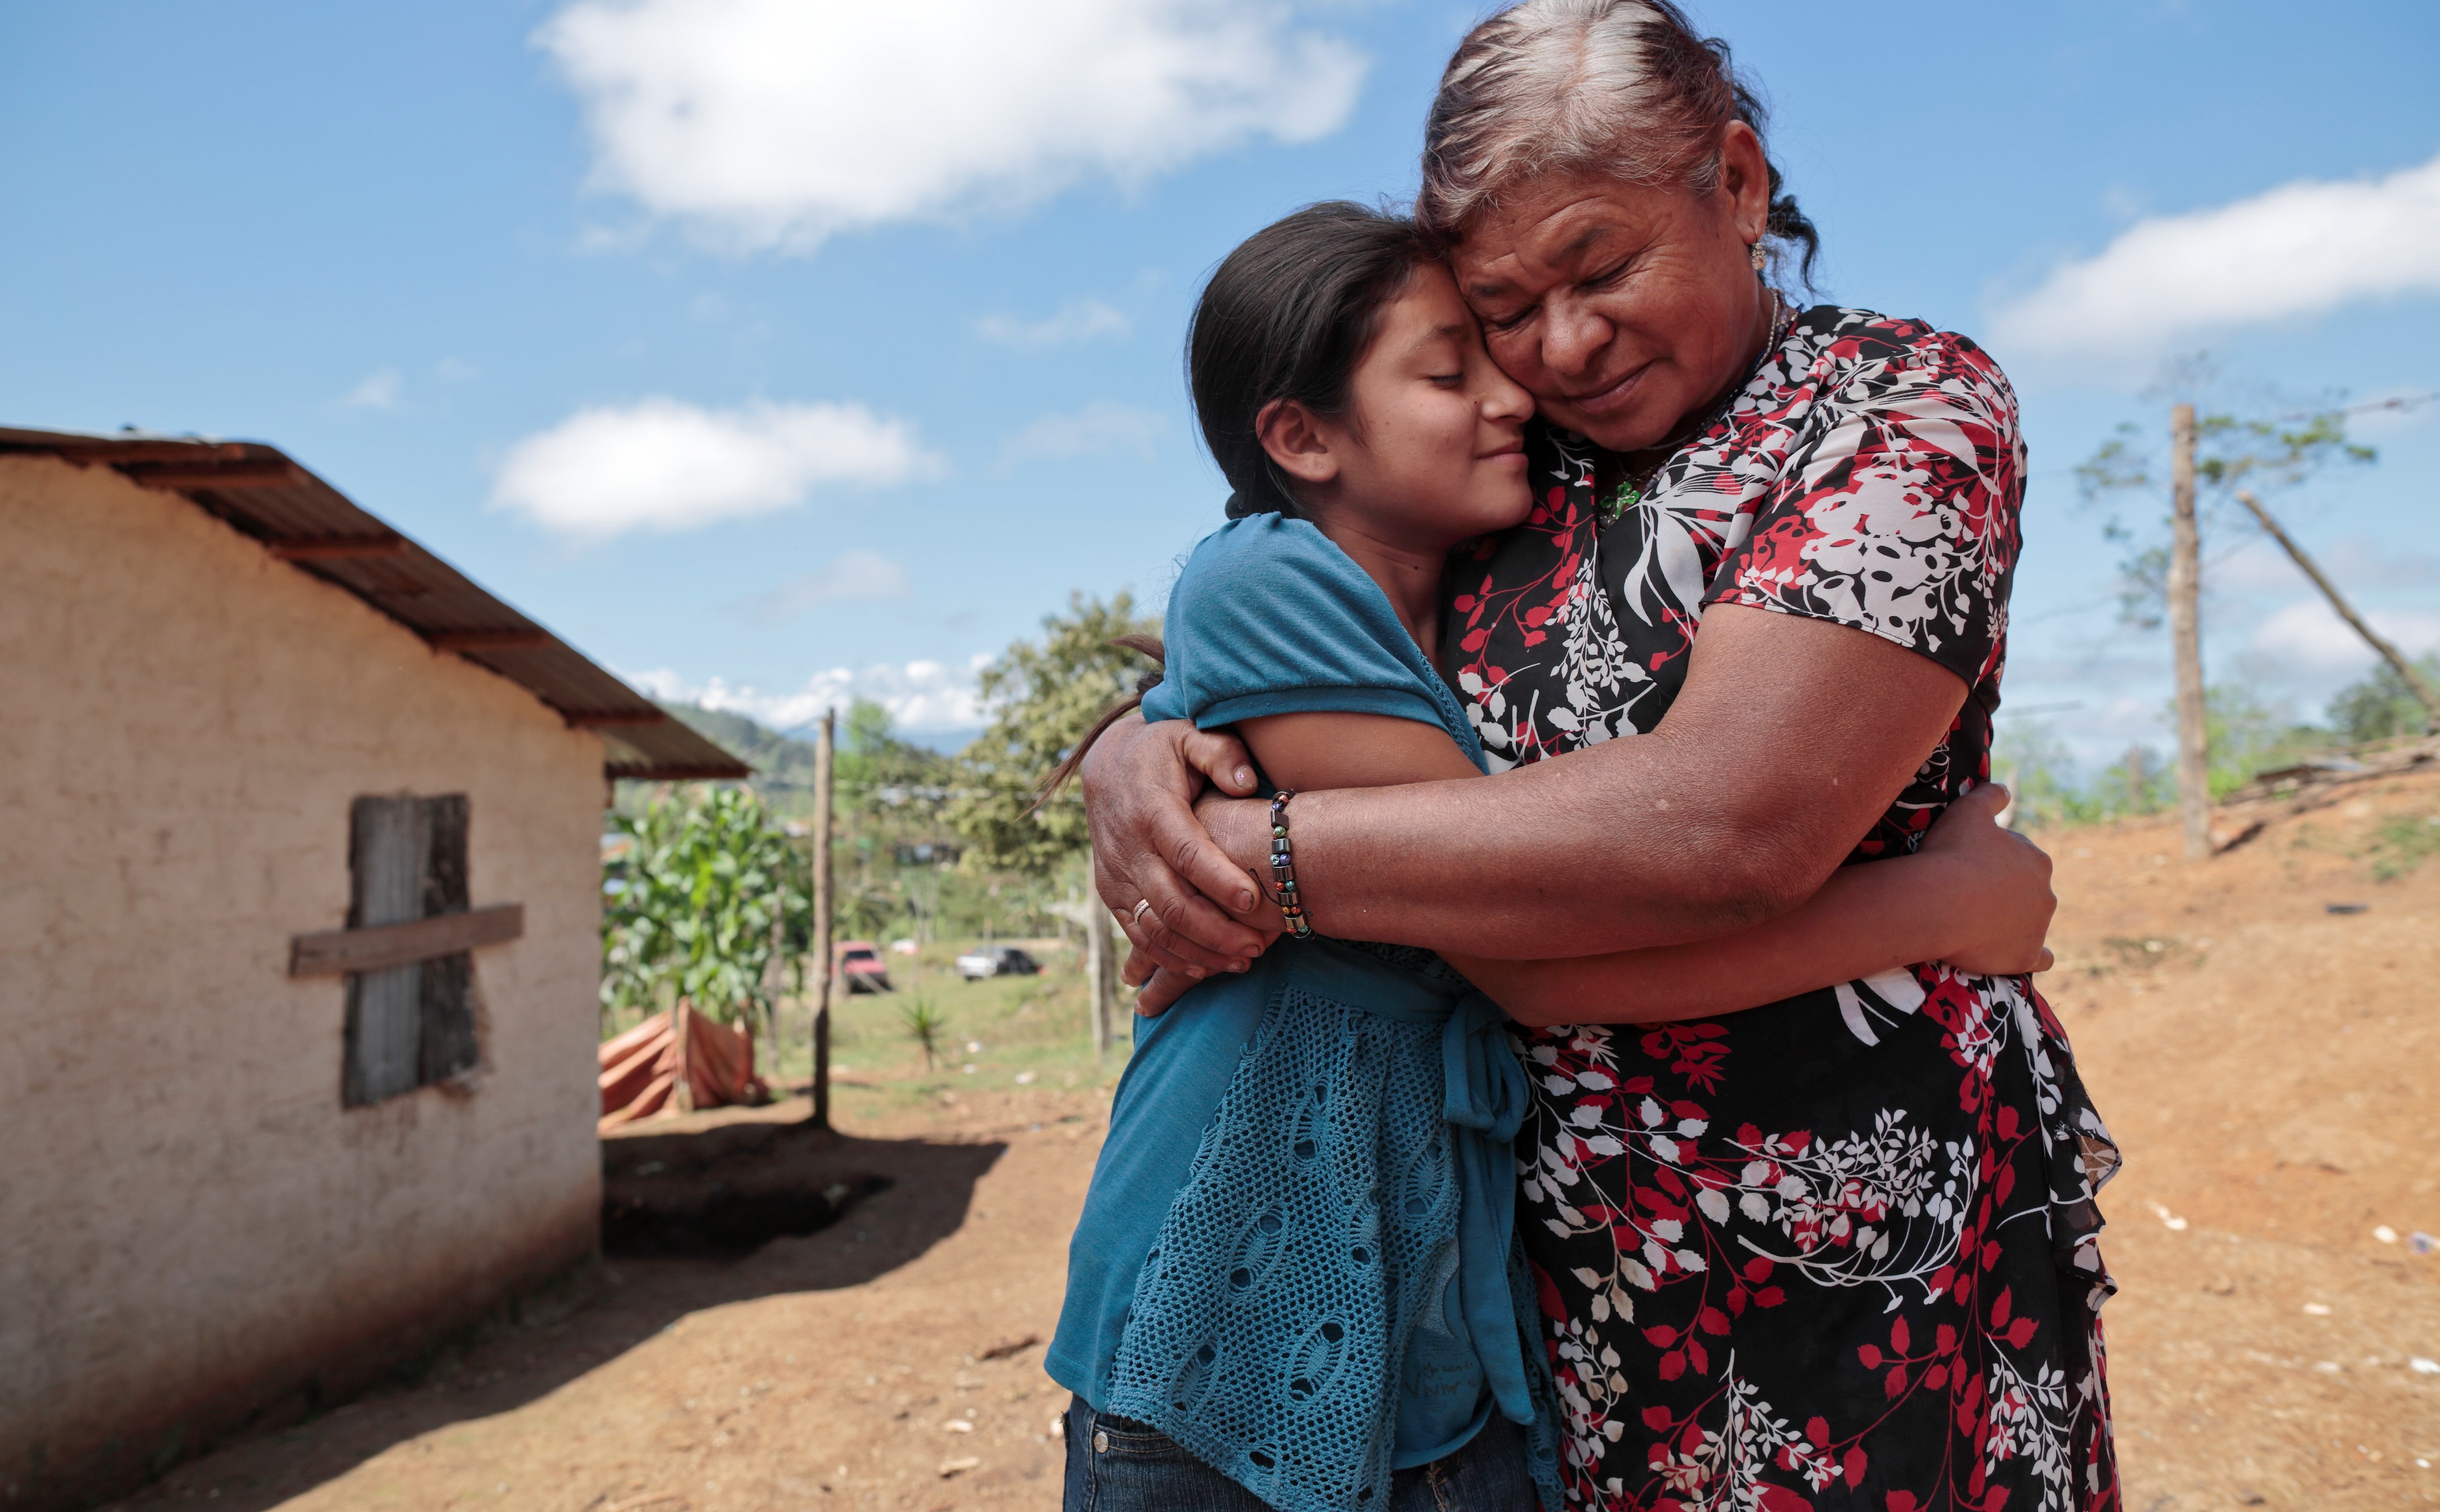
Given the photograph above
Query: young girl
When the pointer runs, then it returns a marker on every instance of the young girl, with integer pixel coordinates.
(1295, 1283)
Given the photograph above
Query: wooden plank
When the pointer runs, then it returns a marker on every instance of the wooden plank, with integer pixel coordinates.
(217, 476)
(389, 840)
(611, 718)
(485, 639)
(337, 547)
(379, 946)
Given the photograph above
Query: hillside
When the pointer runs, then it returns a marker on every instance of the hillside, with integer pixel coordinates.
(788, 760)
(2269, 1060)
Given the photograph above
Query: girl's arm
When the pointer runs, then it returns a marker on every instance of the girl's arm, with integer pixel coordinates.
(1975, 895)
(1791, 739)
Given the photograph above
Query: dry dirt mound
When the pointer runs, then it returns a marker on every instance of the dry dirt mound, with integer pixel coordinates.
(2271, 1067)
(2272, 1070)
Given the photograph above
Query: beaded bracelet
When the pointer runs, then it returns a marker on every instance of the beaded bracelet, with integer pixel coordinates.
(1283, 868)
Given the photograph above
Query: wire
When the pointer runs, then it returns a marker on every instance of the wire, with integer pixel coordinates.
(2392, 401)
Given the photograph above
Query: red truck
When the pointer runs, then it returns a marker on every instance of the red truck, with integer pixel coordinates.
(856, 965)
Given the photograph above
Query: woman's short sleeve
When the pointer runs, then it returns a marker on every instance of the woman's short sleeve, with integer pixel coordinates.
(1896, 506)
(1269, 618)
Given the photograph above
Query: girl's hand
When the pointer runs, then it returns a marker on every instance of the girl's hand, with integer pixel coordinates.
(2002, 883)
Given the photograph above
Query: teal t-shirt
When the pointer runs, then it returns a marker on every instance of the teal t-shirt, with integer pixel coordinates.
(1268, 617)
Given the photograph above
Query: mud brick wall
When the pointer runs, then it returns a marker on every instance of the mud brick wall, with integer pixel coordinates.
(194, 1233)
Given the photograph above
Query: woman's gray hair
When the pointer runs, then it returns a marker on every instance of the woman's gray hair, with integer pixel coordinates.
(1622, 88)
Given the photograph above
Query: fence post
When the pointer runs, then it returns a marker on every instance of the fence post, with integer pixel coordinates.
(822, 948)
(1101, 964)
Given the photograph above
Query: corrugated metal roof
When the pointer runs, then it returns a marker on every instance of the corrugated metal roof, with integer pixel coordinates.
(316, 528)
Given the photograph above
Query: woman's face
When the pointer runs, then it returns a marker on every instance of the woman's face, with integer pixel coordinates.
(1623, 308)
(1431, 450)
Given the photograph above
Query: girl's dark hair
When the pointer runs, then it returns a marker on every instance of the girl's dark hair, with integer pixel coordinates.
(1288, 315)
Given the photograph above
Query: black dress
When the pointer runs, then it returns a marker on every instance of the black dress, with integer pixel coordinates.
(1839, 1251)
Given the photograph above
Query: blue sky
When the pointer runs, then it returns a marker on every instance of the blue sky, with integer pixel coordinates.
(779, 350)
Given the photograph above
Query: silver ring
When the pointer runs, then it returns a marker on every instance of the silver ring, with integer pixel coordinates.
(1136, 916)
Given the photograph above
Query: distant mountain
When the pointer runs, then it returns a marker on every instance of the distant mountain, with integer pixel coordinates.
(770, 754)
(786, 761)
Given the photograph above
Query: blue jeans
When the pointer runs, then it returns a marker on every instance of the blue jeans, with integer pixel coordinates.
(1115, 1464)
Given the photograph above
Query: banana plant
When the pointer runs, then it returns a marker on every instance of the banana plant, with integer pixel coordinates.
(707, 900)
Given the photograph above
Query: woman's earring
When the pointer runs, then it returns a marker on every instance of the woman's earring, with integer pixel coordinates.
(1761, 260)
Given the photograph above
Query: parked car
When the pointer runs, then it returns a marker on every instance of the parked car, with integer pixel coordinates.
(995, 961)
(857, 965)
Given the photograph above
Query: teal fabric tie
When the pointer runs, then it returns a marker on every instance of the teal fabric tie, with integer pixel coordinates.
(1486, 1095)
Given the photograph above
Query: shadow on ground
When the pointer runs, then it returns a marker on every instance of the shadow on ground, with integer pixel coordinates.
(698, 1218)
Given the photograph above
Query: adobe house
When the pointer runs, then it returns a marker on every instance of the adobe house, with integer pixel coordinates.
(299, 941)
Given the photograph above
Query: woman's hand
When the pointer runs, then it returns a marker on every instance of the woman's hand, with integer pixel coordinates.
(2003, 883)
(1141, 782)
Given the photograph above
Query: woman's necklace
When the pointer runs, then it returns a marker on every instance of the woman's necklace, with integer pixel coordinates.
(1631, 488)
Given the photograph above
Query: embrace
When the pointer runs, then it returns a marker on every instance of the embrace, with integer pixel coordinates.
(1541, 1101)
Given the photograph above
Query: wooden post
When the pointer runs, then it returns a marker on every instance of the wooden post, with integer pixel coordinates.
(2415, 683)
(2186, 635)
(1100, 965)
(822, 949)
(682, 1085)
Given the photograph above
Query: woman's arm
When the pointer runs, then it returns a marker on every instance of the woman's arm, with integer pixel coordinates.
(1791, 738)
(1975, 895)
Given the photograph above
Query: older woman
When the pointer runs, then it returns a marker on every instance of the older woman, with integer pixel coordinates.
(1838, 1252)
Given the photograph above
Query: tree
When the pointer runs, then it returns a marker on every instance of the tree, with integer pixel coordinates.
(2214, 458)
(2230, 454)
(2382, 705)
(1042, 700)
(2249, 735)
(707, 896)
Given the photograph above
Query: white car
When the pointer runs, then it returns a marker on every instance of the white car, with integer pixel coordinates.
(995, 961)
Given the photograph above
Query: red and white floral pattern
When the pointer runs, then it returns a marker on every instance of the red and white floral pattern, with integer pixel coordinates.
(1838, 1251)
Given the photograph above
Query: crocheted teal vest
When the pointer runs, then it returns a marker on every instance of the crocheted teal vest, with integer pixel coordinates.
(1358, 1166)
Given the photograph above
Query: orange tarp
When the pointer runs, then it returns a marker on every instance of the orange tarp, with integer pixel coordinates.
(640, 1069)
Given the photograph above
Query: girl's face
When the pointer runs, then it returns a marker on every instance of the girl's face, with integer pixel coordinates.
(1431, 449)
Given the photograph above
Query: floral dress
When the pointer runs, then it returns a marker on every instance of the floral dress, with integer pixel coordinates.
(1838, 1251)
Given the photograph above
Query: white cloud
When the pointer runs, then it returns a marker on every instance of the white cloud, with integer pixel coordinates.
(2309, 635)
(1077, 321)
(380, 389)
(858, 577)
(772, 124)
(923, 697)
(1096, 430)
(2297, 250)
(662, 465)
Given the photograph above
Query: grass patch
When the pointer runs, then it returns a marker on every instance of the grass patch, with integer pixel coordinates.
(2132, 954)
(2403, 843)
(1003, 1033)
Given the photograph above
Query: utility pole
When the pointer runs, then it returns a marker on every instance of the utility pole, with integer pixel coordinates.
(2186, 635)
(2405, 669)
(822, 951)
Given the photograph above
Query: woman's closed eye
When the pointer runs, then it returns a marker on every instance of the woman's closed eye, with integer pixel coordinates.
(1604, 281)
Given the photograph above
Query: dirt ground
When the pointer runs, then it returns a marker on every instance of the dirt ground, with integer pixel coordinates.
(2271, 1067)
